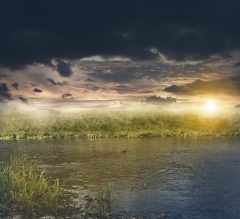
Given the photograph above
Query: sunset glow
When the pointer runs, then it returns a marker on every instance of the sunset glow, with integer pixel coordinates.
(210, 107)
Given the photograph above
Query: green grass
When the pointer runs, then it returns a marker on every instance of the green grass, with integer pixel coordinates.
(116, 125)
(26, 189)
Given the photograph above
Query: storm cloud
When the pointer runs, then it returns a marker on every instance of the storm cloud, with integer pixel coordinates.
(160, 100)
(15, 85)
(63, 68)
(53, 82)
(23, 100)
(3, 76)
(39, 31)
(4, 92)
(221, 86)
(37, 90)
(67, 96)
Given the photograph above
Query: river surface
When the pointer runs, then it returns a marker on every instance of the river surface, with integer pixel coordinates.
(191, 178)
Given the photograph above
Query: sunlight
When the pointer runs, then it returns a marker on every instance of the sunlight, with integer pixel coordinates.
(210, 107)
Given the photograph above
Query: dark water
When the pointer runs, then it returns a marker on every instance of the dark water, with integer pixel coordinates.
(198, 178)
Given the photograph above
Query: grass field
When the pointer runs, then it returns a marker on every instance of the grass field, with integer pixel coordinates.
(115, 125)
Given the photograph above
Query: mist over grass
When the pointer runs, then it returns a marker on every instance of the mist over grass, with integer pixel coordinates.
(115, 125)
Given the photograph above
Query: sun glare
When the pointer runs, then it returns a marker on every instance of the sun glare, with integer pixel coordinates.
(210, 107)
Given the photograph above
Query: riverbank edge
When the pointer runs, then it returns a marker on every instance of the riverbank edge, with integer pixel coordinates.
(98, 135)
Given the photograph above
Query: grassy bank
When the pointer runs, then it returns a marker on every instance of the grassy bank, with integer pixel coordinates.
(25, 189)
(116, 125)
(27, 192)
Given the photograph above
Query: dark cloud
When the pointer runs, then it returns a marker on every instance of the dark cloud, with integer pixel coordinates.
(36, 90)
(4, 92)
(23, 99)
(38, 31)
(123, 71)
(123, 89)
(53, 82)
(237, 64)
(161, 100)
(63, 68)
(128, 71)
(3, 76)
(15, 85)
(117, 74)
(178, 89)
(67, 96)
(221, 86)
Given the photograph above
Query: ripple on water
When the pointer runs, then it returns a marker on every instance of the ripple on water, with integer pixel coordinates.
(199, 178)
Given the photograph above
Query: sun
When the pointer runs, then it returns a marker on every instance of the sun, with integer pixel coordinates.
(210, 107)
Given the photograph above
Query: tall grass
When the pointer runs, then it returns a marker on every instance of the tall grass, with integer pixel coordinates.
(26, 189)
(116, 125)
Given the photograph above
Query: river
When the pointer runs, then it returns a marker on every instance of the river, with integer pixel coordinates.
(190, 178)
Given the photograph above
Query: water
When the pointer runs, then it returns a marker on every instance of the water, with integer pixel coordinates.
(198, 178)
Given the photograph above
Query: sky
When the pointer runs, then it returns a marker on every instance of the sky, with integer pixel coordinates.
(71, 50)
